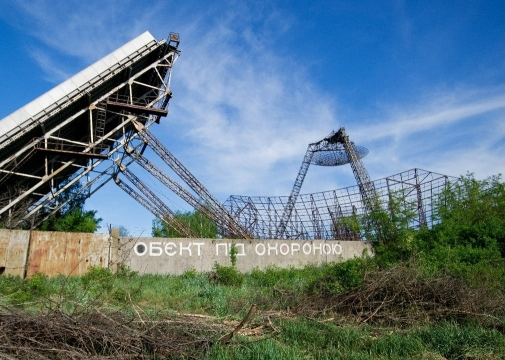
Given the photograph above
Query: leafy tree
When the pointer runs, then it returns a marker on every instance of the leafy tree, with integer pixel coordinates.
(72, 217)
(471, 223)
(196, 221)
(123, 231)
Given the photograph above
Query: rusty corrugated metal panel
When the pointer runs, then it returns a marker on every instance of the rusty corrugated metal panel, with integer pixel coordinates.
(4, 245)
(13, 249)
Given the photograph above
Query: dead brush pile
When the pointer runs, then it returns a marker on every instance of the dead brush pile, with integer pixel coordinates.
(402, 296)
(95, 334)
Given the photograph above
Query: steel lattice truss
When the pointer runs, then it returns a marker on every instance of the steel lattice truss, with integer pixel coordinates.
(88, 130)
(67, 137)
(322, 215)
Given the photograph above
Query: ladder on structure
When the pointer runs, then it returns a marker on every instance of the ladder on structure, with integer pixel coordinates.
(101, 116)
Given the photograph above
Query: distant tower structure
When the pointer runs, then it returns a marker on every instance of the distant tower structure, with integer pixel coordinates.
(334, 150)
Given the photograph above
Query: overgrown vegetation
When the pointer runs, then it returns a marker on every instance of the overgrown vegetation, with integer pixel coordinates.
(72, 217)
(430, 294)
(196, 221)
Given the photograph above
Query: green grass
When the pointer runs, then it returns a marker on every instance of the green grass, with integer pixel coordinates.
(296, 338)
(273, 290)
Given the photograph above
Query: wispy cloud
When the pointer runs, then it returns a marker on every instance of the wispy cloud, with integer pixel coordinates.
(248, 111)
(243, 113)
(452, 133)
(53, 69)
(433, 117)
(83, 30)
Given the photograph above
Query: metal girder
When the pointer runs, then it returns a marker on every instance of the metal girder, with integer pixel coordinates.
(235, 229)
(50, 201)
(168, 219)
(63, 151)
(196, 203)
(286, 215)
(180, 226)
(367, 189)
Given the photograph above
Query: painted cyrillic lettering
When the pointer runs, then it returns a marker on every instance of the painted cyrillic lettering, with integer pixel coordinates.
(270, 247)
(155, 249)
(170, 246)
(185, 248)
(307, 249)
(240, 253)
(262, 252)
(336, 249)
(295, 247)
(52, 254)
(317, 247)
(225, 248)
(140, 248)
(326, 246)
(284, 246)
(199, 248)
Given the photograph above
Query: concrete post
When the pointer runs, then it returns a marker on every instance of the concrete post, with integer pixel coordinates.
(113, 249)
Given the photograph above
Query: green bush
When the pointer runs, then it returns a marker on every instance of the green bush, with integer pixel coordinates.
(98, 282)
(468, 240)
(228, 275)
(124, 272)
(341, 276)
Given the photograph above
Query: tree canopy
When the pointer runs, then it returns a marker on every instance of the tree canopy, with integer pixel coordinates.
(72, 217)
(196, 221)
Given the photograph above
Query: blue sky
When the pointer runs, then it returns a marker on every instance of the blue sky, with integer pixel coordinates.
(419, 83)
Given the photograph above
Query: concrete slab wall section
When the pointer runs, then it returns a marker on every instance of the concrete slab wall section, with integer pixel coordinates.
(174, 256)
(24, 253)
(53, 253)
(13, 251)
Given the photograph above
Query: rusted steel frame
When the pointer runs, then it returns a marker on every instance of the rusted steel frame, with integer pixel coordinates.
(151, 196)
(35, 187)
(67, 121)
(286, 215)
(236, 229)
(177, 189)
(52, 195)
(16, 165)
(169, 219)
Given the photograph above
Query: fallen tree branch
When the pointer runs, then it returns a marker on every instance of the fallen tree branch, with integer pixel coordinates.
(225, 339)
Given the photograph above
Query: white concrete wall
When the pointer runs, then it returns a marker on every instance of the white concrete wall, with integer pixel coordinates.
(52, 253)
(174, 256)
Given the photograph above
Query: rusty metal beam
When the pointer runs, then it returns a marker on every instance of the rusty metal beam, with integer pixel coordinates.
(136, 109)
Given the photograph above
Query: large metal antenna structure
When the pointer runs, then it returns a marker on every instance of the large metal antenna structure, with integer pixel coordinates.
(197, 203)
(329, 214)
(65, 137)
(231, 227)
(333, 150)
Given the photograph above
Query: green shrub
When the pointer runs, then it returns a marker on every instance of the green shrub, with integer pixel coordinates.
(124, 271)
(190, 274)
(228, 275)
(38, 285)
(98, 281)
(341, 276)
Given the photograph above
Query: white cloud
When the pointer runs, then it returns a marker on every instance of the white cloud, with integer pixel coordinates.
(242, 115)
(52, 69)
(246, 112)
(453, 133)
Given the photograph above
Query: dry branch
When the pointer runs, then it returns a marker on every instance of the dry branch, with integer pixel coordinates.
(225, 339)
